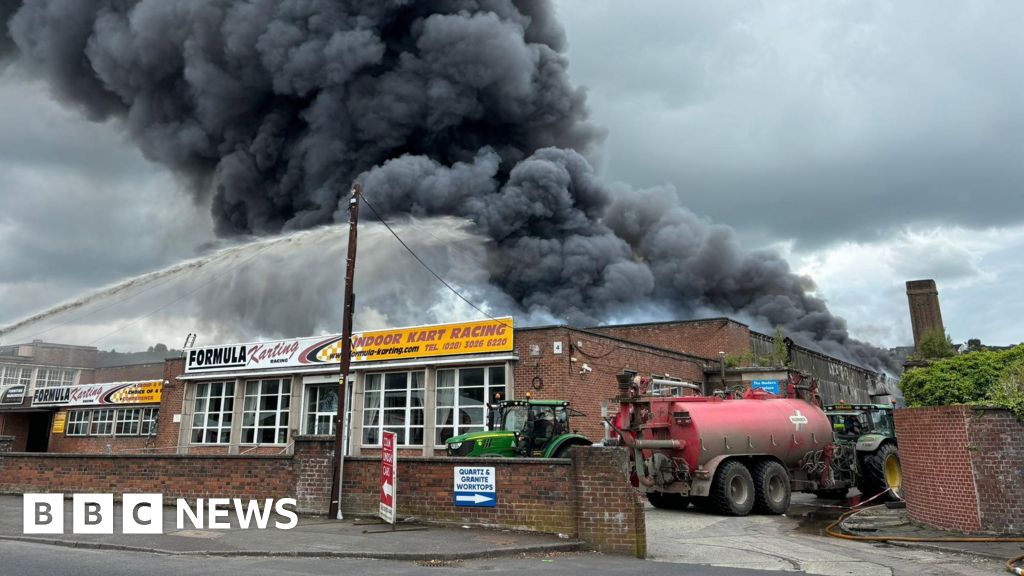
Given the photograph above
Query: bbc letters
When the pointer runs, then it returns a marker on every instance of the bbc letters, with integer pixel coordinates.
(144, 514)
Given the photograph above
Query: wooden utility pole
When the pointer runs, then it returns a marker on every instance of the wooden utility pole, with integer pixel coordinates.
(346, 353)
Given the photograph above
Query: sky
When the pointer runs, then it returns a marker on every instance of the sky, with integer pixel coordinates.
(870, 143)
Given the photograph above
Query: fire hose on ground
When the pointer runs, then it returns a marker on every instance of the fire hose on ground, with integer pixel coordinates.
(1011, 565)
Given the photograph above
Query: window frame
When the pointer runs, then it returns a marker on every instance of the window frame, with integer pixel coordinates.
(313, 397)
(225, 417)
(149, 416)
(73, 421)
(94, 422)
(119, 420)
(54, 377)
(282, 414)
(405, 430)
(489, 389)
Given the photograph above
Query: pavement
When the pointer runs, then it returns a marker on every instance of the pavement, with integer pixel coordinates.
(314, 537)
(796, 542)
(882, 522)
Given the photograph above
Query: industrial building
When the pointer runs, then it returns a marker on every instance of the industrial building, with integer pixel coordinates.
(425, 383)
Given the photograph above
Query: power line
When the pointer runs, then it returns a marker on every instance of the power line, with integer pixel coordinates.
(424, 264)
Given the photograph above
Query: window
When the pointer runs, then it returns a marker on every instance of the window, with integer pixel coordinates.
(11, 376)
(462, 395)
(102, 422)
(266, 411)
(321, 409)
(127, 422)
(107, 421)
(53, 377)
(78, 423)
(394, 402)
(147, 426)
(14, 375)
(211, 418)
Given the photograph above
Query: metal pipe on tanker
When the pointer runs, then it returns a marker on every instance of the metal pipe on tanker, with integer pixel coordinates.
(663, 382)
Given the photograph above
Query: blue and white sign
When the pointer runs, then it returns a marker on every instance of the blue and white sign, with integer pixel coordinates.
(475, 486)
(766, 385)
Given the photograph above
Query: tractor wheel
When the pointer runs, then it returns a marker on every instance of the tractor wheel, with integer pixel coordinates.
(880, 471)
(832, 494)
(702, 503)
(732, 491)
(771, 487)
(667, 501)
(564, 451)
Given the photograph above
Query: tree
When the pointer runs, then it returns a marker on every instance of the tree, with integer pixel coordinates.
(781, 351)
(983, 378)
(935, 344)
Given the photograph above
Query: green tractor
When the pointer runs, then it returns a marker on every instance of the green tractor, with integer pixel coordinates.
(523, 428)
(869, 430)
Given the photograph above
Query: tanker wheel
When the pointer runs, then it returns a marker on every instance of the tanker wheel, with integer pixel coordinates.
(881, 471)
(668, 501)
(732, 491)
(771, 487)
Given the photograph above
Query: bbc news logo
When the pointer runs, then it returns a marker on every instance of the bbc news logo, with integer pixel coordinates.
(144, 513)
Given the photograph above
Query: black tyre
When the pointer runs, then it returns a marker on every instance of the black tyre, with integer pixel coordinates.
(565, 450)
(881, 472)
(667, 501)
(772, 489)
(833, 494)
(702, 503)
(732, 490)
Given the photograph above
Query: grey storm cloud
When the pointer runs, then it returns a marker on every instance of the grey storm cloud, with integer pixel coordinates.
(815, 121)
(448, 108)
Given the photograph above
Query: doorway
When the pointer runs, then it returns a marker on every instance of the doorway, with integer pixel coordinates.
(38, 432)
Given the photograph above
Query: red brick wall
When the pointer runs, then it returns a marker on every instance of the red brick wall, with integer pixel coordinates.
(962, 467)
(15, 424)
(561, 377)
(166, 439)
(170, 404)
(610, 513)
(173, 476)
(704, 338)
(314, 465)
(61, 444)
(997, 457)
(587, 497)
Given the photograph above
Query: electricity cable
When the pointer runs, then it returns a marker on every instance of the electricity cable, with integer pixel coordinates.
(424, 264)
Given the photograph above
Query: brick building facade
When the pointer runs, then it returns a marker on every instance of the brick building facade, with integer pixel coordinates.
(210, 405)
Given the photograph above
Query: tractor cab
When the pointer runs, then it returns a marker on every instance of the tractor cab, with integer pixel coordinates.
(851, 421)
(538, 428)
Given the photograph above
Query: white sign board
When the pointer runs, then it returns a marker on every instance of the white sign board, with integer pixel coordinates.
(475, 486)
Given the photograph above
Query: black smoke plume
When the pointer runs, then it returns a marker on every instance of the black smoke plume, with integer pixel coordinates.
(445, 107)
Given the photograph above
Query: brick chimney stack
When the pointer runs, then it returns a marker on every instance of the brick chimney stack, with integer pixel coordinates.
(925, 315)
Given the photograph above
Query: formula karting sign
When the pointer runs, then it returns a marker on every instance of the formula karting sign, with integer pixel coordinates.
(475, 486)
(415, 342)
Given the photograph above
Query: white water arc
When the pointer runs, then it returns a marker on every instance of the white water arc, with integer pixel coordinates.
(288, 285)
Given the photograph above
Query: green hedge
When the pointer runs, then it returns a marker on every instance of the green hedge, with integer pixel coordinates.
(982, 378)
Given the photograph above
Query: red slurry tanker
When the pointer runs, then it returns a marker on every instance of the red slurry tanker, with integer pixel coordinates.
(730, 455)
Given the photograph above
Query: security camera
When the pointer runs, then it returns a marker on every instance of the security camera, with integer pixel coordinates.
(585, 368)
